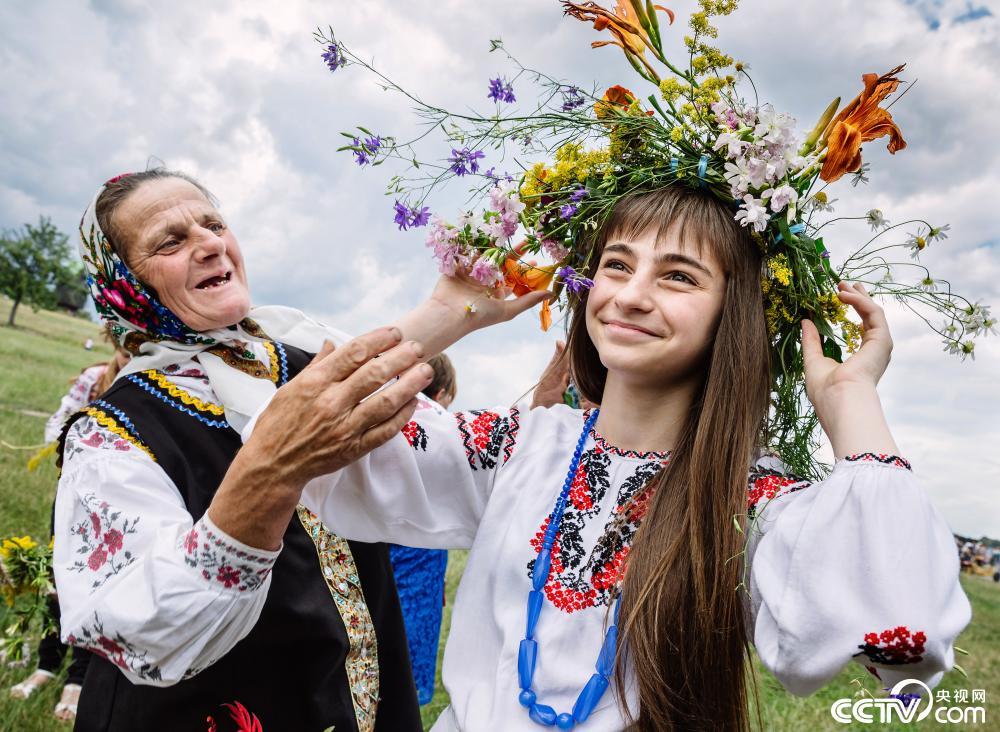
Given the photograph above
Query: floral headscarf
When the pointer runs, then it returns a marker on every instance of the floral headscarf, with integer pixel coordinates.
(156, 337)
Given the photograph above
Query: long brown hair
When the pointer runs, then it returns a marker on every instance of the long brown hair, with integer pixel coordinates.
(682, 626)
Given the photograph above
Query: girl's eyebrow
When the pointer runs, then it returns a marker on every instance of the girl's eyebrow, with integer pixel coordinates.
(664, 258)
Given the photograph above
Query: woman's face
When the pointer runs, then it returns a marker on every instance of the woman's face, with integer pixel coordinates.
(654, 308)
(178, 244)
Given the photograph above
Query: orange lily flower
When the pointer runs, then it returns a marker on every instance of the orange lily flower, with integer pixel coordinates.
(863, 120)
(625, 25)
(616, 96)
(524, 277)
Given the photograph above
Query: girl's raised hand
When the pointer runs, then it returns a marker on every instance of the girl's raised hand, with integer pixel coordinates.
(844, 394)
(481, 306)
(824, 376)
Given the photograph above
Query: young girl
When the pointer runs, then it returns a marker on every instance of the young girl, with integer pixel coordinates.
(656, 519)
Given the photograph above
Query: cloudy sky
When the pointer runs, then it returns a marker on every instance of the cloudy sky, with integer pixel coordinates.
(235, 93)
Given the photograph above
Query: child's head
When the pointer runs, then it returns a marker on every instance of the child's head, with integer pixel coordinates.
(676, 285)
(443, 386)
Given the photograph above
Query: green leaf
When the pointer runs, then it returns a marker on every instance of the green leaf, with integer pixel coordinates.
(960, 670)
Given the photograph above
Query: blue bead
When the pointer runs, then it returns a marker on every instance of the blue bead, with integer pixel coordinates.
(542, 714)
(534, 608)
(589, 697)
(565, 721)
(526, 697)
(540, 575)
(526, 656)
(606, 660)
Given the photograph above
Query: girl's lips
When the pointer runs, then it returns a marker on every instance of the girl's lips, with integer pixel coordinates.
(627, 328)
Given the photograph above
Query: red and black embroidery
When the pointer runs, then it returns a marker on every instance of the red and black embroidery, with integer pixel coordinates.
(416, 435)
(512, 428)
(893, 647)
(874, 457)
(484, 433)
(578, 580)
(765, 484)
(114, 648)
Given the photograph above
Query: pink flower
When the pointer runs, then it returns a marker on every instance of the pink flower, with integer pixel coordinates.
(95, 523)
(113, 539)
(485, 272)
(114, 298)
(95, 440)
(97, 559)
(191, 541)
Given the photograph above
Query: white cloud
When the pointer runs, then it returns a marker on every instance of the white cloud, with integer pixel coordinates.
(236, 93)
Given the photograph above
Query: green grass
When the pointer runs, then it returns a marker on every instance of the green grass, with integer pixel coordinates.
(40, 356)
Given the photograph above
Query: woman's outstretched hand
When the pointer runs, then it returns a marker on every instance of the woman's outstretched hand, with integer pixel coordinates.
(844, 394)
(460, 305)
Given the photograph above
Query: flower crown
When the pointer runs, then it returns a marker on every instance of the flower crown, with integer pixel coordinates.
(696, 129)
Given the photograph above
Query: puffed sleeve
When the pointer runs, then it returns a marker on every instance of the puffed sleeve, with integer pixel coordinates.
(77, 396)
(859, 567)
(141, 583)
(428, 486)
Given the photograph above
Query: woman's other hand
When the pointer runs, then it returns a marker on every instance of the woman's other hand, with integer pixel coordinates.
(325, 418)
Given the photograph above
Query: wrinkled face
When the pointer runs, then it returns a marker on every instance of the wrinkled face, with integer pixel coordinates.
(177, 243)
(654, 308)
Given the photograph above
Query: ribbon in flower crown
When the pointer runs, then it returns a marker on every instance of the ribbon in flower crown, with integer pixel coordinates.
(694, 129)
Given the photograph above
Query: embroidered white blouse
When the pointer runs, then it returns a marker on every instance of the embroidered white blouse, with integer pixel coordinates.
(158, 593)
(859, 567)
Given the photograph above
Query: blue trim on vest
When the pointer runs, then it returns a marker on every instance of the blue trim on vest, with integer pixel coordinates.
(218, 424)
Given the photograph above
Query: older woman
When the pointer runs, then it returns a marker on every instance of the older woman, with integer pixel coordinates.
(185, 561)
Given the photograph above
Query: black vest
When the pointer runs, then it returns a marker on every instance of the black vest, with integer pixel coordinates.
(290, 669)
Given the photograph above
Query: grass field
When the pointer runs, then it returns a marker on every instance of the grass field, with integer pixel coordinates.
(39, 357)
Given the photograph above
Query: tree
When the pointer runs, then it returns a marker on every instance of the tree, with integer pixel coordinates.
(33, 263)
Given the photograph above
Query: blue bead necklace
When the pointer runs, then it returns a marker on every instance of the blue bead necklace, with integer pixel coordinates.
(528, 652)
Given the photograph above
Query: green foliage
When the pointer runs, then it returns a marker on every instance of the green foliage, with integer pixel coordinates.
(34, 263)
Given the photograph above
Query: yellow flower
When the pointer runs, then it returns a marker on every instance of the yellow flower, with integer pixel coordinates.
(780, 270)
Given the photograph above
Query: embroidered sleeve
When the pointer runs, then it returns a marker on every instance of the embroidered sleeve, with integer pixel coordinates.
(858, 567)
(77, 396)
(428, 487)
(140, 582)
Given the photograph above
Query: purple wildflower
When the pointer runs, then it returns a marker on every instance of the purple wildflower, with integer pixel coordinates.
(578, 195)
(501, 91)
(825, 254)
(367, 149)
(575, 282)
(361, 153)
(334, 59)
(407, 217)
(567, 211)
(402, 215)
(419, 217)
(461, 158)
(571, 98)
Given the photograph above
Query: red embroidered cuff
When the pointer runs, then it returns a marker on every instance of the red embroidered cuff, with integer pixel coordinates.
(223, 560)
(872, 457)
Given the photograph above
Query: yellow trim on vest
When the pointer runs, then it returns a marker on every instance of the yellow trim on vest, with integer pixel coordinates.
(108, 422)
(274, 360)
(175, 391)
